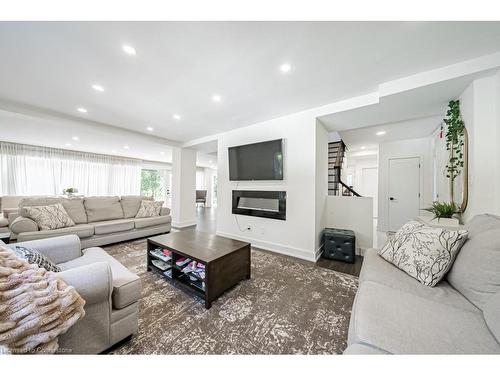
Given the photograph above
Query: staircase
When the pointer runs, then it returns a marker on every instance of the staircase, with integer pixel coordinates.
(336, 153)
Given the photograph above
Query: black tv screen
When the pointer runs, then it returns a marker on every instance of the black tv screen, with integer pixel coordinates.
(256, 161)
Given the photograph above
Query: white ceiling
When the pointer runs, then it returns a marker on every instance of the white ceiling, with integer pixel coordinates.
(49, 131)
(366, 139)
(180, 65)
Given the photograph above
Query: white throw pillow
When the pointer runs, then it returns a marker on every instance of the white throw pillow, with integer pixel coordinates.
(149, 209)
(49, 217)
(423, 252)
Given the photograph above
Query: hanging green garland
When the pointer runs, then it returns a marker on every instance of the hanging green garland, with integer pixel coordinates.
(454, 140)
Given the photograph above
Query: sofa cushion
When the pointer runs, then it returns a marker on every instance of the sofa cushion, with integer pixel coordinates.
(75, 209)
(491, 314)
(149, 209)
(423, 252)
(376, 269)
(131, 203)
(50, 217)
(113, 226)
(482, 223)
(4, 222)
(103, 208)
(81, 230)
(152, 221)
(126, 285)
(73, 206)
(36, 201)
(476, 272)
(403, 323)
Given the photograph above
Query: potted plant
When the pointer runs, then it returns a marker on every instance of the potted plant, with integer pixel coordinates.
(70, 191)
(455, 129)
(444, 212)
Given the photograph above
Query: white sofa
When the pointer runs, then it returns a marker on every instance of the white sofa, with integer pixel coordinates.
(99, 220)
(393, 313)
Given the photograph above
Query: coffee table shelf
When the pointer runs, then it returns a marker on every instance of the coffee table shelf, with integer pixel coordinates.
(226, 261)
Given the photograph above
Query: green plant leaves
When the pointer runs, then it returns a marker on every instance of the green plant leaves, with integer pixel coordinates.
(454, 139)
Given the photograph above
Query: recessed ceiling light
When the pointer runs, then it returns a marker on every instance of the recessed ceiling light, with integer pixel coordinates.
(129, 50)
(381, 132)
(150, 128)
(75, 138)
(82, 110)
(97, 87)
(285, 68)
(68, 144)
(216, 98)
(176, 117)
(162, 152)
(363, 147)
(126, 147)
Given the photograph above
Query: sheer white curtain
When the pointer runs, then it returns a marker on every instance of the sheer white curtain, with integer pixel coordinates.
(32, 170)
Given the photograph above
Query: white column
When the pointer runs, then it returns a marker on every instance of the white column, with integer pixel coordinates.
(209, 182)
(183, 187)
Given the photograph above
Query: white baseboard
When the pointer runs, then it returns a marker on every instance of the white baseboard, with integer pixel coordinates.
(319, 251)
(360, 251)
(183, 224)
(274, 247)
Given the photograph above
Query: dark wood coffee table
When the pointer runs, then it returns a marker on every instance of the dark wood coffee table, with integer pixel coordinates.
(226, 262)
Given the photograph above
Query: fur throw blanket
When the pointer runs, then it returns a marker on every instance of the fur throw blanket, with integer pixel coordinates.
(35, 306)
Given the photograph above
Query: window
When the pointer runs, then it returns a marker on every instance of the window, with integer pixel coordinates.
(156, 183)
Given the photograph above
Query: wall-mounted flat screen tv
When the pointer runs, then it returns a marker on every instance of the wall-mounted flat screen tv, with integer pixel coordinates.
(256, 161)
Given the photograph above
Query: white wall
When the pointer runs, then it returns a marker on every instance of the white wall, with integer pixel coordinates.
(322, 139)
(209, 185)
(419, 147)
(354, 213)
(296, 236)
(355, 164)
(480, 108)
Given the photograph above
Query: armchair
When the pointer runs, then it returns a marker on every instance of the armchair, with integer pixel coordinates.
(201, 196)
(111, 293)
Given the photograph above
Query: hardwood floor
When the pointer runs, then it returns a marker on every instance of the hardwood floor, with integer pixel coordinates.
(351, 269)
(206, 217)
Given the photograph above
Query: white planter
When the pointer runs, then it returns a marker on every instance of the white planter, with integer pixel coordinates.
(444, 222)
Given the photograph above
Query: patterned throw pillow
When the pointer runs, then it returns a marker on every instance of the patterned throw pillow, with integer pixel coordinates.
(50, 217)
(35, 257)
(149, 209)
(423, 252)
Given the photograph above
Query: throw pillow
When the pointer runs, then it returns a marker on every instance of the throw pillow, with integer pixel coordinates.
(49, 217)
(423, 252)
(149, 208)
(35, 257)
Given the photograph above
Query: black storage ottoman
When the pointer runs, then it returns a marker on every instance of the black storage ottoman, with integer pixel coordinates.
(339, 244)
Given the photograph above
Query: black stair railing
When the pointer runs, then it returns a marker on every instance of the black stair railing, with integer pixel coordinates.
(336, 152)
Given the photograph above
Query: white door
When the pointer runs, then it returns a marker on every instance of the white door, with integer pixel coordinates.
(404, 191)
(369, 186)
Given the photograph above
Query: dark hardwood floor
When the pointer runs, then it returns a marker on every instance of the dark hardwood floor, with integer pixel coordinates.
(206, 217)
(351, 269)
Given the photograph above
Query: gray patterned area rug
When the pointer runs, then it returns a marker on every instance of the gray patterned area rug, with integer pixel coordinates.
(289, 306)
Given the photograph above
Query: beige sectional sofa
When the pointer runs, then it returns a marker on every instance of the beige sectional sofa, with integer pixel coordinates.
(99, 220)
